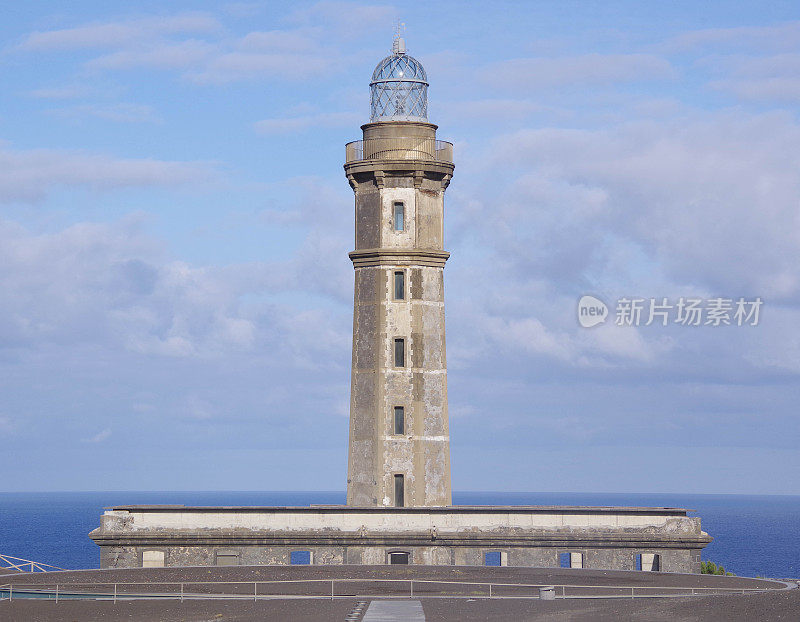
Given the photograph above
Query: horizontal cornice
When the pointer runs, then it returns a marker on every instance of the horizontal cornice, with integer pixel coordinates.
(398, 257)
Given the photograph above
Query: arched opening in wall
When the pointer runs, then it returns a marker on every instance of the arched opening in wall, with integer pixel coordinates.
(227, 558)
(301, 558)
(402, 558)
(153, 559)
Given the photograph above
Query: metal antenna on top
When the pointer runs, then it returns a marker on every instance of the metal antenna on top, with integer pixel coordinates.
(399, 44)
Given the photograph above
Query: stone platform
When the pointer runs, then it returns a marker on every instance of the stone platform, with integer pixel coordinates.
(614, 538)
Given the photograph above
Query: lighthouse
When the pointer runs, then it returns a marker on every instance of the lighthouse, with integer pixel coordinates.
(399, 449)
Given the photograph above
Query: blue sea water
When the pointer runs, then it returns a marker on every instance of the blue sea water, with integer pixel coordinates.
(753, 535)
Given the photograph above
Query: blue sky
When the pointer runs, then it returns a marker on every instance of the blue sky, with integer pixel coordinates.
(176, 298)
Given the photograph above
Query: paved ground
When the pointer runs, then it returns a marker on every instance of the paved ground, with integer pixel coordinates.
(776, 605)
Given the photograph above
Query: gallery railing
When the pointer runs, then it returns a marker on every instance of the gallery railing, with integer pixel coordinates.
(399, 148)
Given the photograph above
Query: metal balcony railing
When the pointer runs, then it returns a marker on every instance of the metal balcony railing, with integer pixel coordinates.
(399, 148)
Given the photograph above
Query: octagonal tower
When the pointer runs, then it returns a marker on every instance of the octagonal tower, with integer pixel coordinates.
(399, 435)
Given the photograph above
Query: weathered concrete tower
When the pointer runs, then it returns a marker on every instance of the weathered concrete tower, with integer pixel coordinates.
(399, 433)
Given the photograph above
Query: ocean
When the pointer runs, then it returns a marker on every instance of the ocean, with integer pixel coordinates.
(753, 535)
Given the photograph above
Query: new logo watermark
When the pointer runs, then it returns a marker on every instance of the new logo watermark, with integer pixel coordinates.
(591, 311)
(684, 311)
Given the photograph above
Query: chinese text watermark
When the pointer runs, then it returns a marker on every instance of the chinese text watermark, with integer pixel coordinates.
(684, 311)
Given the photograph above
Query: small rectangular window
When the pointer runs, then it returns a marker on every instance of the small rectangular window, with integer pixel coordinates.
(649, 562)
(399, 557)
(227, 558)
(399, 216)
(300, 558)
(399, 352)
(493, 558)
(399, 420)
(571, 560)
(399, 491)
(153, 559)
(399, 285)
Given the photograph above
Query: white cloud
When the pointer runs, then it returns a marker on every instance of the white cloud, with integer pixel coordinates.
(348, 18)
(488, 110)
(776, 89)
(235, 66)
(301, 40)
(99, 437)
(174, 43)
(290, 125)
(110, 286)
(118, 34)
(29, 175)
(779, 36)
(120, 112)
(764, 78)
(164, 55)
(711, 200)
(526, 74)
(64, 92)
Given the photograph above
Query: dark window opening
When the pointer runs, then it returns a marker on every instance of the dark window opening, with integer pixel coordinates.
(399, 557)
(399, 491)
(399, 216)
(399, 352)
(399, 285)
(493, 558)
(300, 558)
(399, 420)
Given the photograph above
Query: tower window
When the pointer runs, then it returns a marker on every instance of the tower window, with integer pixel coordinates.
(399, 420)
(399, 352)
(399, 491)
(399, 285)
(399, 557)
(399, 216)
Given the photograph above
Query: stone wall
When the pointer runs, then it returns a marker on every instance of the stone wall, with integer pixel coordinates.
(605, 538)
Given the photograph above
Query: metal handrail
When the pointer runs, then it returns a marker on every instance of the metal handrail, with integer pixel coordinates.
(67, 591)
(399, 148)
(32, 566)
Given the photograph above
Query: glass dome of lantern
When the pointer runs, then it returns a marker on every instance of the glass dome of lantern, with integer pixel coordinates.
(399, 87)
